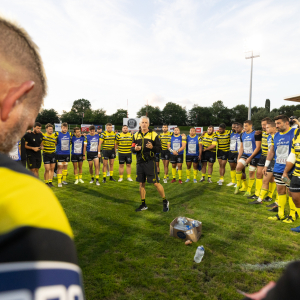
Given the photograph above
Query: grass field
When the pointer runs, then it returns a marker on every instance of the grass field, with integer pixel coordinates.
(129, 255)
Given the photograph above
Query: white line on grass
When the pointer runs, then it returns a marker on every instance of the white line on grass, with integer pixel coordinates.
(263, 267)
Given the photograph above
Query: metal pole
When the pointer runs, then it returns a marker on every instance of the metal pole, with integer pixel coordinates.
(82, 117)
(250, 96)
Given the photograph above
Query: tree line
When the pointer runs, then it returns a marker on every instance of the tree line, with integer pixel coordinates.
(172, 114)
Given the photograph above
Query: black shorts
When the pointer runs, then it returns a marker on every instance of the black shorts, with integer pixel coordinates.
(63, 157)
(108, 154)
(77, 157)
(147, 170)
(295, 184)
(157, 157)
(279, 181)
(271, 166)
(223, 154)
(208, 156)
(253, 162)
(176, 159)
(232, 157)
(165, 155)
(34, 161)
(192, 158)
(262, 160)
(49, 158)
(125, 158)
(91, 156)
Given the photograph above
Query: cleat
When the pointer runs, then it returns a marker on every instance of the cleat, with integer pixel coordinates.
(120, 180)
(173, 180)
(202, 179)
(272, 205)
(209, 180)
(158, 178)
(64, 182)
(289, 219)
(255, 202)
(180, 181)
(165, 205)
(104, 180)
(59, 185)
(165, 180)
(80, 180)
(236, 191)
(247, 194)
(296, 229)
(267, 199)
(141, 207)
(253, 197)
(195, 180)
(230, 184)
(243, 189)
(220, 182)
(187, 180)
(76, 181)
(50, 184)
(97, 182)
(129, 179)
(276, 218)
(92, 181)
(274, 209)
(235, 185)
(112, 179)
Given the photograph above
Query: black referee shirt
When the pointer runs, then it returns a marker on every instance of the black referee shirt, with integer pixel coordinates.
(33, 140)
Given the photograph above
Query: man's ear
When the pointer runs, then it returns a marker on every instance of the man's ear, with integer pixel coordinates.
(12, 97)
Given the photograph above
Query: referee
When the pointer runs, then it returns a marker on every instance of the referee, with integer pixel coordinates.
(145, 144)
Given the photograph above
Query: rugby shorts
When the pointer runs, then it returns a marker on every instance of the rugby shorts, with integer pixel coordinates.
(147, 171)
(278, 179)
(192, 158)
(208, 156)
(223, 154)
(262, 160)
(34, 161)
(108, 154)
(176, 159)
(125, 158)
(49, 158)
(157, 157)
(165, 155)
(232, 157)
(271, 166)
(91, 156)
(295, 184)
(77, 157)
(253, 162)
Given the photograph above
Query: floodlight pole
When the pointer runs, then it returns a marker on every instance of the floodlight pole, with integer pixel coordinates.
(250, 95)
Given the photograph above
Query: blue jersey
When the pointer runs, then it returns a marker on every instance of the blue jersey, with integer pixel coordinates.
(249, 144)
(192, 145)
(282, 147)
(14, 153)
(92, 142)
(63, 143)
(235, 141)
(77, 144)
(176, 143)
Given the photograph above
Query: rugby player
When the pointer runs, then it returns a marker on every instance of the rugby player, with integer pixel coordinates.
(123, 143)
(193, 154)
(145, 144)
(223, 138)
(92, 150)
(99, 131)
(176, 146)
(63, 141)
(107, 140)
(78, 154)
(49, 143)
(33, 144)
(250, 151)
(280, 150)
(209, 142)
(165, 137)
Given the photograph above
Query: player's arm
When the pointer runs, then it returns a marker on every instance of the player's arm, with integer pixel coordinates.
(84, 146)
(134, 147)
(20, 147)
(213, 144)
(200, 148)
(257, 149)
(36, 149)
(241, 150)
(182, 147)
(290, 161)
(270, 156)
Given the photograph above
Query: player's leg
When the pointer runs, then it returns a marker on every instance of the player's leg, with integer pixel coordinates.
(259, 180)
(239, 168)
(128, 166)
(97, 169)
(47, 172)
(179, 165)
(111, 168)
(141, 178)
(105, 165)
(165, 158)
(295, 193)
(222, 164)
(188, 168)
(195, 169)
(80, 163)
(252, 168)
(59, 172)
(65, 172)
(232, 165)
(121, 169)
(265, 188)
(173, 161)
(91, 169)
(210, 171)
(75, 167)
(51, 173)
(157, 164)
(203, 170)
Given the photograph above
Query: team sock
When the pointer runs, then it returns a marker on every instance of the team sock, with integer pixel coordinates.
(258, 186)
(281, 205)
(165, 176)
(272, 187)
(59, 176)
(292, 208)
(164, 198)
(104, 174)
(80, 175)
(97, 177)
(111, 173)
(238, 178)
(244, 184)
(143, 201)
(121, 176)
(208, 176)
(46, 181)
(233, 175)
(92, 176)
(276, 200)
(250, 184)
(221, 177)
(128, 175)
(76, 177)
(263, 193)
(50, 180)
(195, 174)
(64, 173)
(179, 174)
(174, 173)
(188, 172)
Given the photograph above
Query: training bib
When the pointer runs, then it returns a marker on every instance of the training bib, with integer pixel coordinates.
(78, 147)
(65, 145)
(176, 146)
(94, 147)
(192, 148)
(282, 153)
(232, 144)
(248, 147)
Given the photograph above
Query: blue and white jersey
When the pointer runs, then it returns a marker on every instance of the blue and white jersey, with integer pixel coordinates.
(77, 144)
(92, 142)
(249, 144)
(14, 153)
(176, 143)
(282, 147)
(235, 142)
(63, 143)
(192, 145)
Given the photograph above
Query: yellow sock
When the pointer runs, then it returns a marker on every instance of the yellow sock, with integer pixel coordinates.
(92, 176)
(165, 176)
(80, 175)
(276, 200)
(244, 184)
(179, 174)
(50, 180)
(76, 176)
(174, 173)
(221, 177)
(298, 211)
(195, 174)
(263, 193)
(188, 172)
(128, 175)
(238, 178)
(97, 177)
(121, 176)
(281, 205)
(46, 181)
(111, 173)
(250, 184)
(258, 186)
(272, 187)
(233, 175)
(292, 208)
(208, 176)
(64, 173)
(104, 174)
(59, 176)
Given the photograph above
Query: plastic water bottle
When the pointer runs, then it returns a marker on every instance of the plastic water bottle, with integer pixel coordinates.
(199, 254)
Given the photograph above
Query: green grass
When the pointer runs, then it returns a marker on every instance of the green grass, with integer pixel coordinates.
(129, 255)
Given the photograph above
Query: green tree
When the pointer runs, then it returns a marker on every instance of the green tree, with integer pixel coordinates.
(239, 113)
(221, 113)
(48, 116)
(259, 115)
(174, 114)
(200, 116)
(117, 117)
(71, 117)
(81, 105)
(154, 114)
(99, 116)
(268, 105)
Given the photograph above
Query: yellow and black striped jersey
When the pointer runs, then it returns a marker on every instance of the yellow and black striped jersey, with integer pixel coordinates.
(223, 140)
(264, 143)
(207, 140)
(124, 142)
(165, 139)
(296, 150)
(108, 139)
(49, 142)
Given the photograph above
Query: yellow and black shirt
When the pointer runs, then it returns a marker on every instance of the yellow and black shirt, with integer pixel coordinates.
(165, 139)
(223, 140)
(296, 150)
(49, 142)
(207, 140)
(36, 240)
(264, 144)
(124, 142)
(108, 139)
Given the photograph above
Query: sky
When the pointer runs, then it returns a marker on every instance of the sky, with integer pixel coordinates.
(183, 51)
